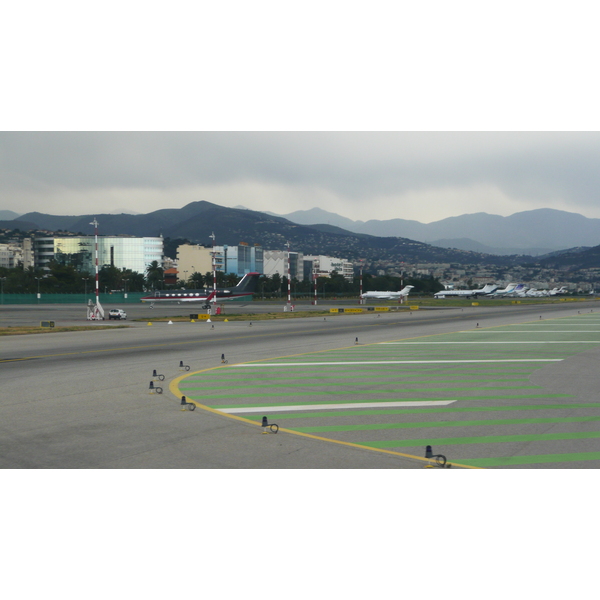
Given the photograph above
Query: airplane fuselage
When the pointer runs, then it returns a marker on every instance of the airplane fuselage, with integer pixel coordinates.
(244, 289)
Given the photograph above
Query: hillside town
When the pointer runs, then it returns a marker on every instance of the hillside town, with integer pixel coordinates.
(181, 263)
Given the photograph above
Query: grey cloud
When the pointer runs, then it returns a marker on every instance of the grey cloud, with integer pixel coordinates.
(354, 164)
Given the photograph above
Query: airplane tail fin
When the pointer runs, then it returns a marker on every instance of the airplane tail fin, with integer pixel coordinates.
(247, 283)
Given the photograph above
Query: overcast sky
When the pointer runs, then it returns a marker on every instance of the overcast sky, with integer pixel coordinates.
(332, 88)
(421, 176)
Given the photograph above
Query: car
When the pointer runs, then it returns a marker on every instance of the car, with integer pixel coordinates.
(117, 313)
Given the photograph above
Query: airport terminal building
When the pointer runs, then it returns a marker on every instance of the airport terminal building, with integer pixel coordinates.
(123, 252)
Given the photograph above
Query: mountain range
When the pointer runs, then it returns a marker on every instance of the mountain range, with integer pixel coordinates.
(198, 220)
(564, 235)
(533, 232)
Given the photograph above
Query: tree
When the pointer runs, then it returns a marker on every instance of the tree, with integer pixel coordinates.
(197, 281)
(155, 276)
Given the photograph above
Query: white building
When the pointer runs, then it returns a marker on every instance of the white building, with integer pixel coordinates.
(7, 256)
(276, 261)
(323, 266)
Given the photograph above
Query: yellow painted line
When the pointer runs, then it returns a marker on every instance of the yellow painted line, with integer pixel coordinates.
(174, 389)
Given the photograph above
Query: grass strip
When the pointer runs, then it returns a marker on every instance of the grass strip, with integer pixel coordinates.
(28, 330)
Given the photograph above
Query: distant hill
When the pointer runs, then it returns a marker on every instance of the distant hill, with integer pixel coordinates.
(530, 232)
(575, 258)
(468, 244)
(197, 220)
(316, 216)
(18, 224)
(8, 215)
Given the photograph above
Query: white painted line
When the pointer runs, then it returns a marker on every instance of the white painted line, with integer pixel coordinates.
(394, 362)
(480, 331)
(527, 342)
(299, 407)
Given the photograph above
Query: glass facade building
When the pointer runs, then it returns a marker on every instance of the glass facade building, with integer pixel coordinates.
(132, 253)
(240, 259)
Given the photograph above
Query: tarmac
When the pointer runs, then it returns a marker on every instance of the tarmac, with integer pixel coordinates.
(81, 400)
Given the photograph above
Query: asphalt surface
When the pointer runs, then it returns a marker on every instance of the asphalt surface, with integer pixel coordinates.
(82, 400)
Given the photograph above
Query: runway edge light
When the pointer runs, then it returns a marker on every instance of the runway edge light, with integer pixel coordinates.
(273, 427)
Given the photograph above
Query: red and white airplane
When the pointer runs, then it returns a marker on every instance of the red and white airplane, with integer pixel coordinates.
(244, 289)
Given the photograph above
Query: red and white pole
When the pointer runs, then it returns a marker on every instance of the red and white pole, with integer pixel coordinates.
(95, 224)
(289, 297)
(214, 259)
(97, 312)
(360, 298)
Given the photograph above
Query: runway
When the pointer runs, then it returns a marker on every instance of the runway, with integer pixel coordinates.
(82, 400)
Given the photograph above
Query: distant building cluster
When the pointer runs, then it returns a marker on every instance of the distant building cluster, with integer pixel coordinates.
(17, 253)
(137, 253)
(242, 259)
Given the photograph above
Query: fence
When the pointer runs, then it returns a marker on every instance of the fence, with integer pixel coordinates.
(115, 298)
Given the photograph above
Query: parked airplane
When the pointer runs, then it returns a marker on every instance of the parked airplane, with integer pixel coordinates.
(507, 290)
(403, 293)
(245, 288)
(518, 291)
(488, 289)
(561, 290)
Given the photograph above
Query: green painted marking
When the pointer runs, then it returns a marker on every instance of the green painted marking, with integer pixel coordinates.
(441, 424)
(333, 378)
(335, 391)
(530, 460)
(249, 386)
(485, 439)
(422, 411)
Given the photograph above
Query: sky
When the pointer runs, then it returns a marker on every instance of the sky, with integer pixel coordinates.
(425, 176)
(399, 111)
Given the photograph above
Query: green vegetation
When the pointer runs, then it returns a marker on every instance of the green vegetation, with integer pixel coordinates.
(65, 279)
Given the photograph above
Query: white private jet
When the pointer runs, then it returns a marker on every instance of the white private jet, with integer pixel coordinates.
(518, 291)
(562, 290)
(488, 289)
(507, 290)
(403, 293)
